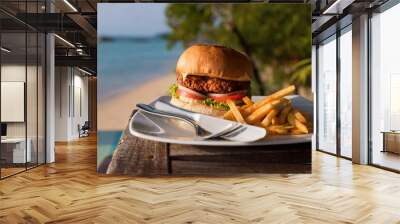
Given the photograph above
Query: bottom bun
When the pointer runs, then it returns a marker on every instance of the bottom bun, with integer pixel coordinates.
(198, 108)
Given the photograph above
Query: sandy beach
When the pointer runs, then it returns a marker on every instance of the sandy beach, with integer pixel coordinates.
(113, 113)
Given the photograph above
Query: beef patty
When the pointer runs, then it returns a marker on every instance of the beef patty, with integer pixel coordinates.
(206, 84)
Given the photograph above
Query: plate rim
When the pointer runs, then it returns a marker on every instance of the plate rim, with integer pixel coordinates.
(295, 139)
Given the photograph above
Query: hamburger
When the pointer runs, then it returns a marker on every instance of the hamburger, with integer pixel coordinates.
(208, 76)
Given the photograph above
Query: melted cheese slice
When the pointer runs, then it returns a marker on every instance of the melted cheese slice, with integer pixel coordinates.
(184, 75)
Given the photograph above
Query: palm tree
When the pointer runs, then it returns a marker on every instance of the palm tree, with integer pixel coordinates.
(301, 76)
(302, 72)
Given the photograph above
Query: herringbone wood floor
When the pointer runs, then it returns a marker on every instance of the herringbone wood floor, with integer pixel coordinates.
(70, 191)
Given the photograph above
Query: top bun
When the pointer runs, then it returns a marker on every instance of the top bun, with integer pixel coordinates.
(216, 62)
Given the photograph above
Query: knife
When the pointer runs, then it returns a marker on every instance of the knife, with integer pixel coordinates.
(247, 133)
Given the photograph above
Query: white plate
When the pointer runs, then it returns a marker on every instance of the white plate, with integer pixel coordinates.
(166, 130)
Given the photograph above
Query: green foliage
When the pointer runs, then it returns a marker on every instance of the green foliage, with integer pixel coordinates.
(272, 35)
(187, 22)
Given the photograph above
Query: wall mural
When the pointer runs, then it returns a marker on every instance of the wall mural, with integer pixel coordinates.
(220, 88)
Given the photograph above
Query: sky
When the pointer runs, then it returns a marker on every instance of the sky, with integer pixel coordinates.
(131, 19)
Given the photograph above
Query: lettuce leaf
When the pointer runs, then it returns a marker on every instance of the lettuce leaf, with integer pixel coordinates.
(172, 91)
(218, 105)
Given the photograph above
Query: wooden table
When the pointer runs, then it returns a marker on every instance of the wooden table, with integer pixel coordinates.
(139, 157)
(391, 141)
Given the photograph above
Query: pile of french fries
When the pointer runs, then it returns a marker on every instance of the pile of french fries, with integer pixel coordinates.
(274, 113)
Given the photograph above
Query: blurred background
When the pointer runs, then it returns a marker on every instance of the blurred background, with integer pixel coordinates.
(139, 44)
(277, 38)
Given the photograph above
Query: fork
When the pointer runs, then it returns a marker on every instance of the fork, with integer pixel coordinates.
(200, 132)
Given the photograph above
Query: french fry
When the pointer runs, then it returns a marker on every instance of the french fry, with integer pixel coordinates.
(274, 121)
(291, 118)
(277, 129)
(296, 131)
(285, 109)
(306, 116)
(279, 94)
(243, 110)
(299, 116)
(229, 116)
(288, 126)
(284, 113)
(236, 113)
(244, 107)
(301, 126)
(275, 113)
(264, 110)
(247, 101)
(268, 119)
(281, 131)
(258, 123)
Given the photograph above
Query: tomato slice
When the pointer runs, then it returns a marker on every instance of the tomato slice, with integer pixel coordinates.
(234, 96)
(226, 98)
(190, 95)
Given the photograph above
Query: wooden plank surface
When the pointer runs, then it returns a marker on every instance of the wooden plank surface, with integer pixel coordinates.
(294, 158)
(139, 157)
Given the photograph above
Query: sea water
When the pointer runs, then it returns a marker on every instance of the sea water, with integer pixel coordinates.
(126, 62)
(122, 64)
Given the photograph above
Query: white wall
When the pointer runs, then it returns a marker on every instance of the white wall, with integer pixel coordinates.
(345, 94)
(62, 81)
(12, 73)
(359, 89)
(314, 92)
(71, 94)
(50, 94)
(80, 109)
(33, 126)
